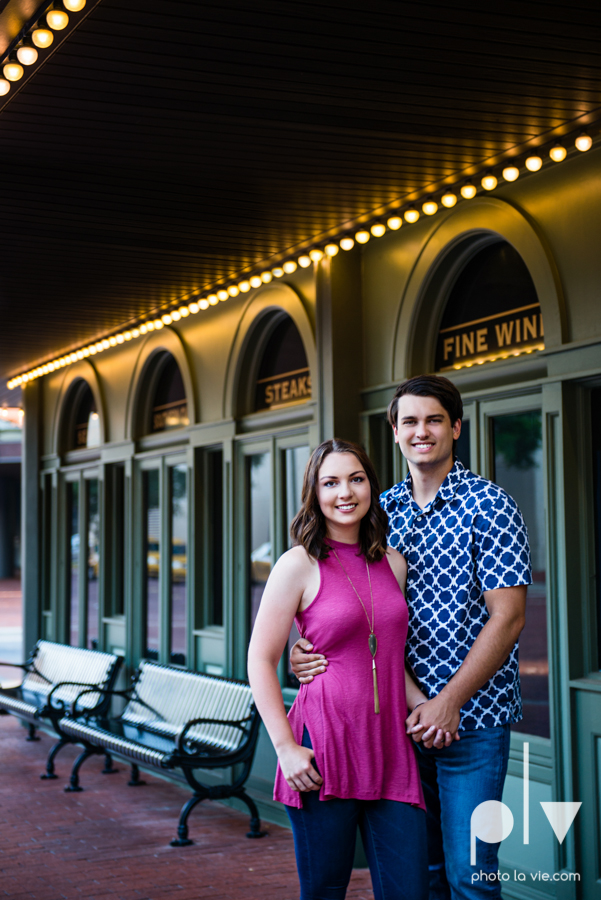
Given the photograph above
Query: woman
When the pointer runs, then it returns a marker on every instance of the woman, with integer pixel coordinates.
(344, 757)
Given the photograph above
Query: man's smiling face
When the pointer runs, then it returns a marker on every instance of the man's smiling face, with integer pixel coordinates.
(424, 431)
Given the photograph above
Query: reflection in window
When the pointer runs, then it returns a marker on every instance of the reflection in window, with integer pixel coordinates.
(381, 449)
(214, 536)
(169, 407)
(519, 470)
(295, 462)
(93, 549)
(73, 560)
(152, 517)
(596, 436)
(179, 562)
(259, 495)
(86, 432)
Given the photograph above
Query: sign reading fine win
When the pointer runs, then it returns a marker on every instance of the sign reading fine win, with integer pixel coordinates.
(491, 336)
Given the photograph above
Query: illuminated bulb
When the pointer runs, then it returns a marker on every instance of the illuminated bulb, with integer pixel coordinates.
(511, 173)
(157, 324)
(449, 199)
(304, 262)
(558, 153)
(266, 277)
(166, 319)
(289, 266)
(127, 335)
(42, 37)
(362, 237)
(184, 311)
(4, 87)
(331, 249)
(583, 142)
(150, 326)
(27, 55)
(233, 290)
(13, 71)
(255, 281)
(120, 338)
(489, 182)
(533, 163)
(347, 243)
(221, 295)
(113, 341)
(193, 307)
(468, 190)
(106, 344)
(378, 229)
(277, 272)
(74, 5)
(176, 316)
(57, 19)
(135, 333)
(203, 304)
(411, 215)
(244, 286)
(394, 223)
(143, 329)
(430, 207)
(316, 254)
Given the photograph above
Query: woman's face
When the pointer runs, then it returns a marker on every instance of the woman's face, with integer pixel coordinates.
(343, 493)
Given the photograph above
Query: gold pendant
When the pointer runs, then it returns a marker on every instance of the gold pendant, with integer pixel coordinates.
(373, 646)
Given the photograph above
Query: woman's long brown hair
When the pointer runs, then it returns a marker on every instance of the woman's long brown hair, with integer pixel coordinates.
(309, 525)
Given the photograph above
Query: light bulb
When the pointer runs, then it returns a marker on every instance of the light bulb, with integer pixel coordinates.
(304, 262)
(289, 266)
(255, 281)
(533, 163)
(184, 311)
(411, 215)
(468, 190)
(233, 290)
(362, 237)
(57, 19)
(558, 153)
(347, 243)
(193, 307)
(4, 87)
(430, 207)
(394, 223)
(449, 199)
(42, 37)
(511, 173)
(106, 344)
(277, 272)
(74, 5)
(120, 339)
(27, 55)
(489, 182)
(157, 324)
(583, 142)
(203, 304)
(143, 330)
(331, 249)
(316, 254)
(166, 319)
(378, 229)
(221, 295)
(127, 335)
(175, 315)
(266, 277)
(13, 71)
(244, 287)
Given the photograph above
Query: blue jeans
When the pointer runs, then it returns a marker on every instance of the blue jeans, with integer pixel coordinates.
(456, 780)
(394, 837)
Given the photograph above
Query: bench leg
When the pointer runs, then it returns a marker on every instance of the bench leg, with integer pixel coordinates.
(73, 785)
(255, 821)
(135, 780)
(109, 769)
(31, 735)
(49, 773)
(182, 839)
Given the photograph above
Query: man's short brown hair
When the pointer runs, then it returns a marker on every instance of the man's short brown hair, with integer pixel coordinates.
(435, 386)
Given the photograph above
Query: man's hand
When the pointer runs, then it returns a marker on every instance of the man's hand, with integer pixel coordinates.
(430, 719)
(306, 665)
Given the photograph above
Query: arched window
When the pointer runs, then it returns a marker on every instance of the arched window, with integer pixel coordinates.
(169, 407)
(85, 430)
(492, 311)
(283, 376)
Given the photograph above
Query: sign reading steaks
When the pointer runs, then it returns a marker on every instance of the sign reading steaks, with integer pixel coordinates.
(284, 377)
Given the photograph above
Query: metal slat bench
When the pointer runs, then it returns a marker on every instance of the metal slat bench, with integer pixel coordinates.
(176, 719)
(54, 676)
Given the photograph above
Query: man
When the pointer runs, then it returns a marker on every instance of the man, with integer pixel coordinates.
(466, 547)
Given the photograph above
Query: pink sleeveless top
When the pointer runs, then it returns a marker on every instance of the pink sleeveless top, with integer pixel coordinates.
(359, 754)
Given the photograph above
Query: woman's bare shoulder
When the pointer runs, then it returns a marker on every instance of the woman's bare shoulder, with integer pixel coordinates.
(296, 560)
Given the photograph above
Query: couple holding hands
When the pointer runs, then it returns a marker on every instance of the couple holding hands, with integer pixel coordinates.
(411, 603)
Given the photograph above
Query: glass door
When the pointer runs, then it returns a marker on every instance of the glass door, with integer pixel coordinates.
(82, 558)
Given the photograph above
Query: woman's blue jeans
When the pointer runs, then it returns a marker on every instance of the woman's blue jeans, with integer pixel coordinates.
(394, 837)
(455, 781)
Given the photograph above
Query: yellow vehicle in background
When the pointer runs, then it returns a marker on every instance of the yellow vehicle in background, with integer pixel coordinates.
(179, 559)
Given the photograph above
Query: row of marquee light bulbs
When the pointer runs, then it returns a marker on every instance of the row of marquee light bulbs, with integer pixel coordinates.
(40, 37)
(468, 191)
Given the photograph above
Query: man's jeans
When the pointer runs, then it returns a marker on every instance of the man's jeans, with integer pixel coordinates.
(455, 780)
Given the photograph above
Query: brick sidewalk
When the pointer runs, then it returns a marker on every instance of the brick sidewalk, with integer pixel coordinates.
(111, 842)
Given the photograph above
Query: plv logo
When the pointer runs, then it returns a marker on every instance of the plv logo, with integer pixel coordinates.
(492, 821)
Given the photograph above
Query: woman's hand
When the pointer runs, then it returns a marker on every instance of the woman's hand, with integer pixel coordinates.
(297, 768)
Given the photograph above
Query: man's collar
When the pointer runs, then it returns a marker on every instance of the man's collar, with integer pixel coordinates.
(447, 489)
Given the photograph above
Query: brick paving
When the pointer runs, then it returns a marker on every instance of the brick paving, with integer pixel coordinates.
(111, 842)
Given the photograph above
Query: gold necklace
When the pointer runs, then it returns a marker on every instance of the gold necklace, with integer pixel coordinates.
(372, 641)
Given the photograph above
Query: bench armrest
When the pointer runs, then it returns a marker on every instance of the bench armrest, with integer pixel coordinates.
(14, 665)
(74, 713)
(231, 723)
(93, 688)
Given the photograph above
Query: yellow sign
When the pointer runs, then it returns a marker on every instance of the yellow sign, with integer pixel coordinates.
(491, 337)
(284, 389)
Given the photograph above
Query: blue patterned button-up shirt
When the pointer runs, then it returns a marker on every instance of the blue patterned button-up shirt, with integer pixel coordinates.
(471, 538)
